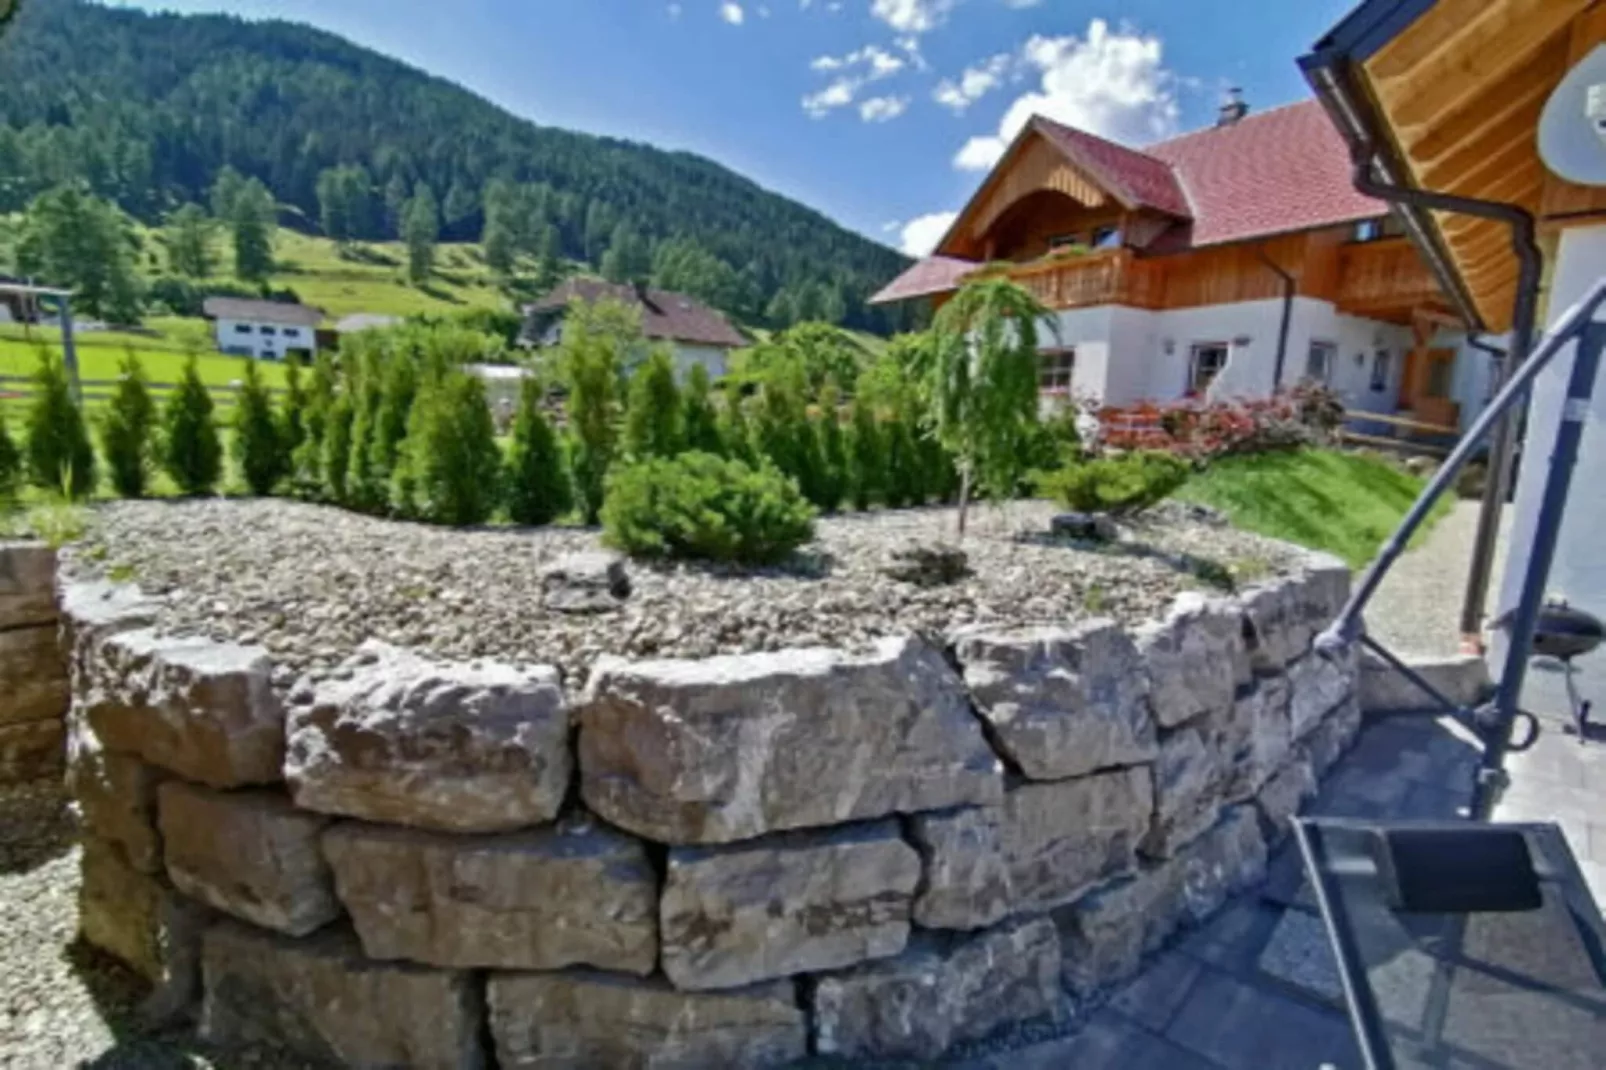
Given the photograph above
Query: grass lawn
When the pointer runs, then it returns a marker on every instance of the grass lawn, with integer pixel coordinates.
(374, 277)
(1343, 503)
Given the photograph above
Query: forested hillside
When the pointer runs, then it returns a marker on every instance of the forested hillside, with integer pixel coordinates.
(148, 109)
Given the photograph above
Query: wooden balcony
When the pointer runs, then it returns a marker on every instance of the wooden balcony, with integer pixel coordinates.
(1106, 277)
(1384, 279)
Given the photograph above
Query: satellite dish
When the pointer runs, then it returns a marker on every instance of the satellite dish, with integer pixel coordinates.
(1572, 128)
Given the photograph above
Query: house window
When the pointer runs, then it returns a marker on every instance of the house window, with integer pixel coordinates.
(1207, 361)
(292, 332)
(1382, 363)
(1055, 369)
(1106, 237)
(1439, 369)
(1319, 362)
(1064, 241)
(242, 328)
(1367, 230)
(269, 330)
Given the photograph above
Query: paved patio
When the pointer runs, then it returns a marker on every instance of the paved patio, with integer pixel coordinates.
(1257, 987)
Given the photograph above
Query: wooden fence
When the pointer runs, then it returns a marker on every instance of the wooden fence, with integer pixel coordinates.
(16, 389)
(1402, 434)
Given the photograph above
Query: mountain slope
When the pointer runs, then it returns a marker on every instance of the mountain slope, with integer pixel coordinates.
(148, 108)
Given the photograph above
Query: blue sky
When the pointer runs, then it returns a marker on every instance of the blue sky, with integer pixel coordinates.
(881, 113)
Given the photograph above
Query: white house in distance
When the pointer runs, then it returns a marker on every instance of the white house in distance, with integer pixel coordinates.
(697, 334)
(265, 330)
(1227, 262)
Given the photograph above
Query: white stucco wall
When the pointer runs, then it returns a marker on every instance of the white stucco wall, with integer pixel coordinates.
(713, 358)
(262, 346)
(1579, 570)
(1358, 342)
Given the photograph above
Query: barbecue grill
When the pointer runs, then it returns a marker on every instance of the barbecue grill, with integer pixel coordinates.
(1564, 633)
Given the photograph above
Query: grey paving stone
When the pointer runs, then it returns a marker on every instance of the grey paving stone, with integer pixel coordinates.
(1107, 1042)
(1299, 955)
(1426, 802)
(1153, 998)
(1234, 938)
(1250, 1027)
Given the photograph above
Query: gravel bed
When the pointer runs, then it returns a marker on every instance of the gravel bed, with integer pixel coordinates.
(311, 583)
(1417, 610)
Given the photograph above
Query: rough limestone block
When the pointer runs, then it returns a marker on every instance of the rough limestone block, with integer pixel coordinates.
(794, 903)
(1194, 657)
(1189, 789)
(204, 710)
(116, 796)
(1283, 795)
(1462, 678)
(727, 748)
(1046, 845)
(30, 751)
(1324, 589)
(249, 854)
(1061, 702)
(1105, 935)
(582, 1019)
(1277, 630)
(1318, 684)
(27, 585)
(458, 747)
(944, 989)
(92, 610)
(1325, 744)
(318, 998)
(1254, 741)
(33, 676)
(594, 582)
(537, 900)
(137, 918)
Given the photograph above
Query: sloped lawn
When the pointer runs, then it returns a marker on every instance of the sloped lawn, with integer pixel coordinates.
(1343, 503)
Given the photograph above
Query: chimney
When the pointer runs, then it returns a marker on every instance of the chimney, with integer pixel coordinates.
(1233, 108)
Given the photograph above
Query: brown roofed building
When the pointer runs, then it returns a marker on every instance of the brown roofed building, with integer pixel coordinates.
(1229, 261)
(697, 333)
(266, 330)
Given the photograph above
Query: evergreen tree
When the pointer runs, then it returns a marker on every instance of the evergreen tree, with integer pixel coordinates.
(904, 484)
(189, 241)
(225, 190)
(627, 259)
(258, 446)
(292, 414)
(735, 433)
(251, 223)
(395, 204)
(192, 453)
(699, 424)
(126, 428)
(537, 481)
(334, 214)
(831, 449)
(421, 228)
(10, 464)
(653, 421)
(781, 429)
(866, 458)
(384, 445)
(336, 460)
(306, 461)
(500, 233)
(453, 460)
(459, 204)
(72, 239)
(367, 488)
(598, 340)
(59, 454)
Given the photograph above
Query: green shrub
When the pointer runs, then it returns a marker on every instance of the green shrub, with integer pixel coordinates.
(830, 449)
(735, 432)
(258, 448)
(866, 457)
(699, 425)
(307, 461)
(59, 455)
(698, 505)
(390, 425)
(126, 429)
(1117, 486)
(10, 464)
(292, 412)
(453, 461)
(336, 461)
(652, 411)
(537, 480)
(904, 482)
(192, 453)
(782, 433)
(366, 488)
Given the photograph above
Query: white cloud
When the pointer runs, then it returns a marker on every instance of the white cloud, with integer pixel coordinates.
(920, 235)
(853, 72)
(883, 109)
(732, 12)
(674, 11)
(975, 83)
(1110, 83)
(912, 16)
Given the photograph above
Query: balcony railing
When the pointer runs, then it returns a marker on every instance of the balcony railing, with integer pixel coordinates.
(1383, 276)
(1106, 277)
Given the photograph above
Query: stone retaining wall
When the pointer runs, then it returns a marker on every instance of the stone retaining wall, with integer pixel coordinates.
(731, 861)
(33, 675)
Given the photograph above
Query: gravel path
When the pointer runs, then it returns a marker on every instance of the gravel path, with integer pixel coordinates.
(312, 583)
(1417, 610)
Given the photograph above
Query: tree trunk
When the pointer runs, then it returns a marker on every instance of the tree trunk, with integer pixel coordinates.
(964, 496)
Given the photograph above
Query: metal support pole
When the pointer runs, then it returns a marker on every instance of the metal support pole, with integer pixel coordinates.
(1542, 553)
(69, 351)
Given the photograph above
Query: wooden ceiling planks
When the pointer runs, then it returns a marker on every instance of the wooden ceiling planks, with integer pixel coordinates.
(1462, 89)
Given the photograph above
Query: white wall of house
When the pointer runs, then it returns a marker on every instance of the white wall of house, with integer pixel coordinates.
(1579, 570)
(264, 341)
(713, 359)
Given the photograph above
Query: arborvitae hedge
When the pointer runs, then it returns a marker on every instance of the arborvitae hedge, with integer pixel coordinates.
(653, 422)
(258, 446)
(192, 452)
(537, 479)
(127, 431)
(59, 455)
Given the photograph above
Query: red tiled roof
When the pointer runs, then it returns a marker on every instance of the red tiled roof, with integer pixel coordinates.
(933, 275)
(665, 315)
(1136, 178)
(1281, 170)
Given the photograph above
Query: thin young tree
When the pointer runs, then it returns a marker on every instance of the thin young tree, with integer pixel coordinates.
(258, 446)
(538, 489)
(192, 453)
(598, 340)
(653, 419)
(58, 451)
(292, 413)
(126, 430)
(830, 447)
(981, 381)
(866, 457)
(421, 229)
(189, 241)
(699, 423)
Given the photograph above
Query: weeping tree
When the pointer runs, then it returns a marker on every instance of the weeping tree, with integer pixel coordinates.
(980, 377)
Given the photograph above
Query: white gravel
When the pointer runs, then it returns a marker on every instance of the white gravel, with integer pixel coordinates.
(311, 583)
